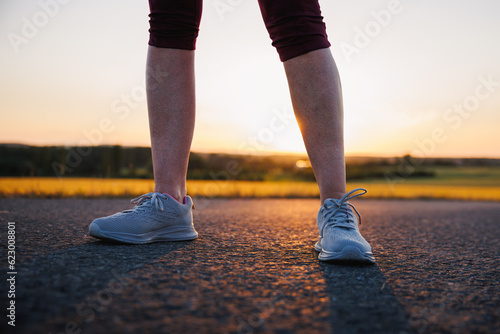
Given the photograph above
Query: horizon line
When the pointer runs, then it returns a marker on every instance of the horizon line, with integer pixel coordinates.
(268, 153)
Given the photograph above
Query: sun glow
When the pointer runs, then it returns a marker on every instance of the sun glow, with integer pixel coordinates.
(396, 89)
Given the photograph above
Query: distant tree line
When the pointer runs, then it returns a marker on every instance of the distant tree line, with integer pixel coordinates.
(135, 162)
(94, 161)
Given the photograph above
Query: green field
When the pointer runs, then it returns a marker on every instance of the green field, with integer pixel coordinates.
(461, 176)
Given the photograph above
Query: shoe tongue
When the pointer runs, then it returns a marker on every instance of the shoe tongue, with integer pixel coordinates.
(142, 203)
(332, 202)
(344, 211)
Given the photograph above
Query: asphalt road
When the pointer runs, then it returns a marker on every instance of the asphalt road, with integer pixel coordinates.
(253, 270)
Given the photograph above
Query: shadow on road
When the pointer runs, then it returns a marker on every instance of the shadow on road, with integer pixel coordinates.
(361, 301)
(86, 275)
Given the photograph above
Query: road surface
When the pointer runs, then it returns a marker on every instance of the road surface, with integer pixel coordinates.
(253, 270)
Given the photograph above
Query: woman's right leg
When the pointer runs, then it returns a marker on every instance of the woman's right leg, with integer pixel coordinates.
(166, 214)
(171, 106)
(170, 84)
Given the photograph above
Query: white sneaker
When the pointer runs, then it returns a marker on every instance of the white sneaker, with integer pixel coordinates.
(339, 237)
(156, 217)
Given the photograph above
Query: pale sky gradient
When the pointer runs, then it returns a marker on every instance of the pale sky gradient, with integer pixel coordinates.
(428, 57)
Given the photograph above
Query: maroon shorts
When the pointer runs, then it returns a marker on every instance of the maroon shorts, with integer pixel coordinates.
(295, 26)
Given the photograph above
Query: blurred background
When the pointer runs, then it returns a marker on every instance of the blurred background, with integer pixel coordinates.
(421, 83)
(399, 79)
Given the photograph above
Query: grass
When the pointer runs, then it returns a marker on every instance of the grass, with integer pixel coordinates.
(449, 183)
(462, 176)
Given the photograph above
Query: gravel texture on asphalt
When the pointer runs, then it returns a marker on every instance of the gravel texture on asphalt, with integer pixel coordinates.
(253, 270)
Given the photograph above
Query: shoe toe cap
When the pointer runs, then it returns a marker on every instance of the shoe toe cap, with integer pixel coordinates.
(94, 229)
(105, 223)
(336, 241)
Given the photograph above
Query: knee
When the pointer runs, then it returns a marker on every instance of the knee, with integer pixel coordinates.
(295, 26)
(174, 24)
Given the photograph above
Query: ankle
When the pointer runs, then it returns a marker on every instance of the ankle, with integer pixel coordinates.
(177, 193)
(335, 195)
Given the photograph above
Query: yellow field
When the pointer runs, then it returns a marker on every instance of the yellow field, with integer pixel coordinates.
(94, 187)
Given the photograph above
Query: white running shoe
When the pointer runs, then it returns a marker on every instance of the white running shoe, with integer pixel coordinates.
(156, 217)
(339, 237)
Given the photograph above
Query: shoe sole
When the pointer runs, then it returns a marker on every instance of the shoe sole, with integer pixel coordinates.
(171, 233)
(347, 254)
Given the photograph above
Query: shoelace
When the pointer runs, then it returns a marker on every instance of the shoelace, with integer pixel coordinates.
(338, 214)
(148, 199)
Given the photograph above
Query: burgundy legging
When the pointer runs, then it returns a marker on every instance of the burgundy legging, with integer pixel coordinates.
(295, 26)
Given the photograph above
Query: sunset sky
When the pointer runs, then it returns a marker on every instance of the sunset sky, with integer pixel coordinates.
(424, 79)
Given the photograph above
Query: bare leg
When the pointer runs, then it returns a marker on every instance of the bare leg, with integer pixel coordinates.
(316, 95)
(171, 103)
